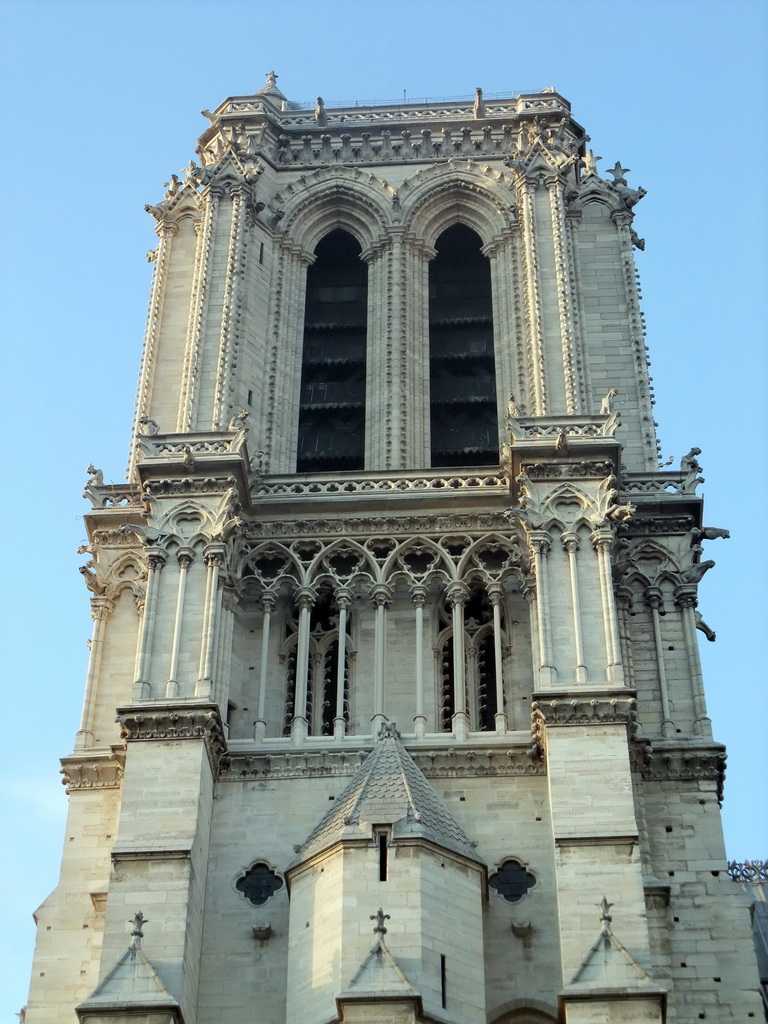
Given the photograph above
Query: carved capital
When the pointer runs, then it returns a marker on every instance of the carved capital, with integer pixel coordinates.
(185, 557)
(343, 598)
(495, 593)
(603, 538)
(305, 598)
(654, 598)
(540, 541)
(214, 555)
(268, 601)
(685, 596)
(418, 596)
(101, 608)
(178, 721)
(381, 596)
(156, 557)
(457, 594)
(570, 542)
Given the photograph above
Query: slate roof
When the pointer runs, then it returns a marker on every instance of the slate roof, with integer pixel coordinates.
(389, 789)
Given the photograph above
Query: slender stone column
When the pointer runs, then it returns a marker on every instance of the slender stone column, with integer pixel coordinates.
(343, 603)
(623, 221)
(457, 595)
(555, 186)
(685, 598)
(536, 361)
(419, 599)
(540, 542)
(602, 539)
(230, 314)
(141, 686)
(184, 557)
(496, 595)
(655, 601)
(166, 231)
(623, 604)
(529, 595)
(571, 545)
(214, 559)
(268, 603)
(572, 221)
(101, 609)
(381, 596)
(305, 598)
(211, 197)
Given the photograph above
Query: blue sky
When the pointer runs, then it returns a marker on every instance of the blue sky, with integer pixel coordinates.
(101, 105)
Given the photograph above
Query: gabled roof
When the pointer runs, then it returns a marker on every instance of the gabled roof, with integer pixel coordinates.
(379, 977)
(131, 984)
(610, 966)
(389, 789)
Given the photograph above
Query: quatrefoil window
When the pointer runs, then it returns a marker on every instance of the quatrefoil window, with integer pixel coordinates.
(512, 881)
(259, 883)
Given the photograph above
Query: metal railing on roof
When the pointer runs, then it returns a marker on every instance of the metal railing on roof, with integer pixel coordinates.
(406, 100)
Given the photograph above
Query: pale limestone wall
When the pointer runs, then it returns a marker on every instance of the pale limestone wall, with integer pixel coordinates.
(613, 331)
(162, 856)
(70, 921)
(704, 939)
(226, 319)
(567, 328)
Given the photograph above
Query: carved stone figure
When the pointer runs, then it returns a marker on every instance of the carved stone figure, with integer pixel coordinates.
(238, 419)
(713, 533)
(478, 107)
(690, 466)
(95, 584)
(701, 624)
(96, 477)
(513, 409)
(321, 118)
(150, 426)
(146, 533)
(605, 405)
(695, 573)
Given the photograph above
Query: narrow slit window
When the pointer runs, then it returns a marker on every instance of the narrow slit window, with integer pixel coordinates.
(383, 855)
(443, 989)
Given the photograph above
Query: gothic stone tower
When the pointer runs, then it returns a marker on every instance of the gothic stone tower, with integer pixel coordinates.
(403, 734)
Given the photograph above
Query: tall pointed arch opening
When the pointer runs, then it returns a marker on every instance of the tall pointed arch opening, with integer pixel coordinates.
(332, 402)
(463, 417)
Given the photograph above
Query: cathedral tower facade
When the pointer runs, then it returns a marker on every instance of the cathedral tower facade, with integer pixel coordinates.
(394, 709)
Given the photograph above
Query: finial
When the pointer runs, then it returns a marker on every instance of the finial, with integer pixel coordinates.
(618, 173)
(605, 917)
(380, 917)
(271, 79)
(590, 162)
(138, 931)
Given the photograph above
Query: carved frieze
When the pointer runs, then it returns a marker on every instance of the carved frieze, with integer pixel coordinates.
(676, 764)
(180, 721)
(591, 709)
(93, 771)
(437, 763)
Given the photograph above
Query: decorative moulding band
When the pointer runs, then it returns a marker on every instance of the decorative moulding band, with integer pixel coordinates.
(188, 721)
